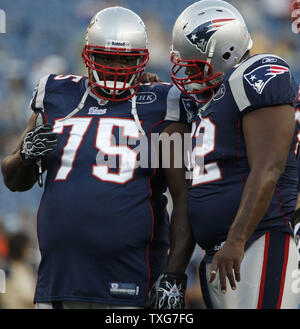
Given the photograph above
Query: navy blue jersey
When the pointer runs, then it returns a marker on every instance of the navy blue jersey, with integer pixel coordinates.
(102, 221)
(215, 194)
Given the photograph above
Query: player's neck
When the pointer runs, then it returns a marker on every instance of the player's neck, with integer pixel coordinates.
(99, 92)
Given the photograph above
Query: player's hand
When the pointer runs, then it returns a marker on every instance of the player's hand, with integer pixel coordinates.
(150, 77)
(37, 143)
(227, 261)
(167, 292)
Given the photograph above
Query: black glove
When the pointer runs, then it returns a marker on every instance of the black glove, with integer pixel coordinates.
(37, 143)
(167, 292)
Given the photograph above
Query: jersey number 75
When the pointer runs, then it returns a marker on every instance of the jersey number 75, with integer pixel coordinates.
(103, 142)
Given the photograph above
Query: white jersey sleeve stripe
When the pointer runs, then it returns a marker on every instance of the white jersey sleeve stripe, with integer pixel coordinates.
(39, 103)
(173, 109)
(236, 81)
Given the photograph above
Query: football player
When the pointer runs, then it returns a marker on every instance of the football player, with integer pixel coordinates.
(242, 198)
(102, 224)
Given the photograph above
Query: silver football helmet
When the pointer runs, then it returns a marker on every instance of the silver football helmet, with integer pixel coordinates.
(209, 38)
(115, 31)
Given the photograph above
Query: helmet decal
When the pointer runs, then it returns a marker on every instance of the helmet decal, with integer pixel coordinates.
(201, 35)
(260, 76)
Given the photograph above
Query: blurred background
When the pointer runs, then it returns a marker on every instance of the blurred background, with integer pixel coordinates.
(47, 37)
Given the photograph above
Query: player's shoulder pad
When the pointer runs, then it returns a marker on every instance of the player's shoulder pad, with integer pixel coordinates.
(69, 81)
(173, 104)
(179, 107)
(249, 79)
(37, 98)
(54, 83)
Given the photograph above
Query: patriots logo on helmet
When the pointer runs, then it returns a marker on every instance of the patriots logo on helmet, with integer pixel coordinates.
(261, 76)
(201, 35)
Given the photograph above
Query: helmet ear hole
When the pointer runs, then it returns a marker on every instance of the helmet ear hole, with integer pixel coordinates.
(226, 56)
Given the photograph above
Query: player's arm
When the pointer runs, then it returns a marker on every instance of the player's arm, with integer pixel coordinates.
(18, 177)
(268, 135)
(150, 77)
(19, 169)
(182, 242)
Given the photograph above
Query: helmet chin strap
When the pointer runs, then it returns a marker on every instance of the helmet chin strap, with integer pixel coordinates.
(135, 115)
(210, 56)
(211, 50)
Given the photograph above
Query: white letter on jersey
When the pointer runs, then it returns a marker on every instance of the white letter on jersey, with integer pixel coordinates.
(75, 78)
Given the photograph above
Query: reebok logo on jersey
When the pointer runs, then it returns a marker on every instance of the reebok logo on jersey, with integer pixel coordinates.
(145, 97)
(269, 60)
(96, 110)
(261, 76)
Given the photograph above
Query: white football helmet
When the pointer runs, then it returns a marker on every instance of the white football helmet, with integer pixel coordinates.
(209, 37)
(115, 31)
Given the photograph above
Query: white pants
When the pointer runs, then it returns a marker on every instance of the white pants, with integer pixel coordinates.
(269, 273)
